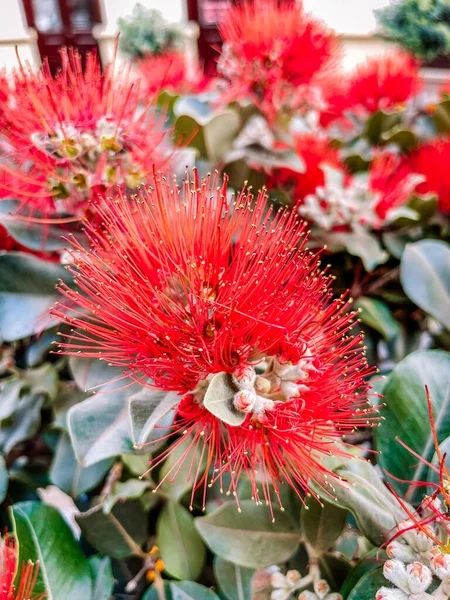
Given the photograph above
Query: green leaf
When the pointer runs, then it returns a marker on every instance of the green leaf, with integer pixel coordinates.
(403, 138)
(234, 582)
(44, 536)
(99, 426)
(249, 538)
(363, 492)
(366, 246)
(333, 569)
(68, 474)
(189, 590)
(92, 372)
(102, 577)
(147, 408)
(379, 123)
(368, 585)
(407, 417)
(24, 423)
(219, 400)
(119, 533)
(180, 546)
(370, 561)
(425, 277)
(27, 292)
(132, 489)
(322, 525)
(3, 479)
(377, 315)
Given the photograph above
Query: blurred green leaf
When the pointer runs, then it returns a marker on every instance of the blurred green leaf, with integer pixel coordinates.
(425, 277)
(372, 560)
(44, 536)
(27, 292)
(250, 538)
(119, 533)
(377, 315)
(132, 489)
(235, 582)
(179, 543)
(68, 474)
(92, 372)
(102, 577)
(368, 585)
(406, 414)
(3, 479)
(379, 123)
(322, 525)
(181, 590)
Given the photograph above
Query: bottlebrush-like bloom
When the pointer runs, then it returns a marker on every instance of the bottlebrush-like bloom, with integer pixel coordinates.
(384, 82)
(432, 160)
(315, 151)
(170, 72)
(8, 567)
(274, 53)
(203, 295)
(67, 140)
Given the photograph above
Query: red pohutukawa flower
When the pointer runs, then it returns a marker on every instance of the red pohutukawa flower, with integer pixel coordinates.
(23, 590)
(70, 138)
(274, 53)
(171, 72)
(221, 302)
(315, 151)
(385, 82)
(432, 160)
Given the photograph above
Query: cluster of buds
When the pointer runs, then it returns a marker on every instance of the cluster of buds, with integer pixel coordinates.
(419, 552)
(86, 161)
(285, 586)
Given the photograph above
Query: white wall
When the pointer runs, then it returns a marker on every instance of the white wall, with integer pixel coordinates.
(14, 32)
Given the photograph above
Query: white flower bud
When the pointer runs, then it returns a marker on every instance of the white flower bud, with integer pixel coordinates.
(307, 595)
(386, 593)
(401, 551)
(440, 563)
(419, 577)
(395, 572)
(278, 580)
(293, 577)
(334, 596)
(244, 400)
(321, 588)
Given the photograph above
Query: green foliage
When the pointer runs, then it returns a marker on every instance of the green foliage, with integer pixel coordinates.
(421, 26)
(145, 31)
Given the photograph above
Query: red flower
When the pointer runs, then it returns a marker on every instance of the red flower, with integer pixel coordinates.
(70, 138)
(384, 82)
(393, 180)
(181, 285)
(170, 72)
(315, 151)
(431, 160)
(272, 52)
(23, 590)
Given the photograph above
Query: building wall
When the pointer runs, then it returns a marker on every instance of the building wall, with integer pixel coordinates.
(14, 32)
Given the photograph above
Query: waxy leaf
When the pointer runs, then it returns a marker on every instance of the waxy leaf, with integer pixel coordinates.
(149, 408)
(407, 418)
(377, 315)
(219, 400)
(234, 582)
(250, 538)
(102, 576)
(425, 277)
(44, 536)
(322, 525)
(179, 543)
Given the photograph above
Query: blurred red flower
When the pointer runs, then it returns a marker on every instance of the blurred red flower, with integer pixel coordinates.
(23, 590)
(274, 53)
(432, 161)
(170, 72)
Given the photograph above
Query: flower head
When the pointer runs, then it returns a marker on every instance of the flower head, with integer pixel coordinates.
(384, 83)
(274, 65)
(23, 590)
(220, 301)
(69, 139)
(171, 72)
(431, 160)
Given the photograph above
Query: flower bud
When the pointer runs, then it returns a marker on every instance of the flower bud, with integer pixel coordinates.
(334, 596)
(401, 551)
(440, 564)
(419, 577)
(321, 588)
(293, 577)
(395, 572)
(306, 595)
(244, 400)
(386, 593)
(244, 377)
